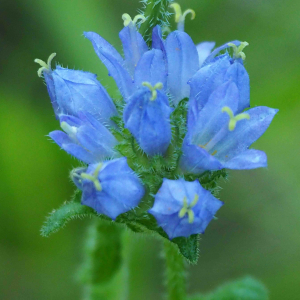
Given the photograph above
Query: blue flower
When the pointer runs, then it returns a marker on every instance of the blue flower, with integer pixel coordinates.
(215, 72)
(172, 62)
(85, 138)
(184, 208)
(72, 91)
(221, 135)
(111, 187)
(147, 116)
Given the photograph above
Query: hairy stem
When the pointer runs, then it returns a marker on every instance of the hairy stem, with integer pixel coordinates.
(104, 269)
(156, 13)
(175, 272)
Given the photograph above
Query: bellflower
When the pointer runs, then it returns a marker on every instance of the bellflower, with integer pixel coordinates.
(183, 208)
(71, 91)
(172, 61)
(85, 138)
(147, 117)
(111, 187)
(221, 136)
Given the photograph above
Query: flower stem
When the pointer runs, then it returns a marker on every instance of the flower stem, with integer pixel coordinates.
(104, 268)
(175, 272)
(156, 13)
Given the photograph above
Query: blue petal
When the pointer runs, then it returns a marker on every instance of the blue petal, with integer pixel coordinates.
(52, 94)
(170, 196)
(78, 90)
(169, 200)
(211, 57)
(120, 75)
(249, 159)
(99, 143)
(211, 119)
(134, 46)
(113, 62)
(183, 63)
(204, 50)
(197, 160)
(157, 39)
(203, 83)
(245, 133)
(151, 68)
(121, 189)
(101, 45)
(238, 74)
(149, 121)
(70, 147)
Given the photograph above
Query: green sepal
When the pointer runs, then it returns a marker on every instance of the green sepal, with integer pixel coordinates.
(247, 288)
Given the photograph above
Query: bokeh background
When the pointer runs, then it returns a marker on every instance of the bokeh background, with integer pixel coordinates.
(257, 231)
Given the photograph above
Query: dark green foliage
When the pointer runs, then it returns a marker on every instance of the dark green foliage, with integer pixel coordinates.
(247, 288)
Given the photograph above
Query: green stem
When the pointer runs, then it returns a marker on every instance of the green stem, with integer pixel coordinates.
(156, 13)
(175, 272)
(103, 269)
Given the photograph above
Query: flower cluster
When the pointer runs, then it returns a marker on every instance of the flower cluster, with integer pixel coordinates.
(211, 86)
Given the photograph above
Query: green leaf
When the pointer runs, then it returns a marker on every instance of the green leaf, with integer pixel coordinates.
(68, 211)
(247, 288)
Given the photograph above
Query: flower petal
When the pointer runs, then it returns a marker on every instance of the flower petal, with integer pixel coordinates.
(203, 83)
(196, 160)
(245, 133)
(70, 147)
(183, 63)
(249, 159)
(151, 68)
(211, 119)
(238, 74)
(212, 56)
(78, 90)
(134, 46)
(100, 45)
(148, 121)
(120, 75)
(204, 50)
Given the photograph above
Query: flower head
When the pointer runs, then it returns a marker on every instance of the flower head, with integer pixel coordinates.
(111, 187)
(183, 208)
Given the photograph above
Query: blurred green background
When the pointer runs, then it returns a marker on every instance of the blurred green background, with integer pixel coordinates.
(257, 231)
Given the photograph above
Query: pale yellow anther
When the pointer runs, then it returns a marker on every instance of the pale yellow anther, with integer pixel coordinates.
(127, 19)
(70, 130)
(187, 209)
(234, 119)
(238, 51)
(94, 177)
(153, 89)
(44, 66)
(179, 16)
